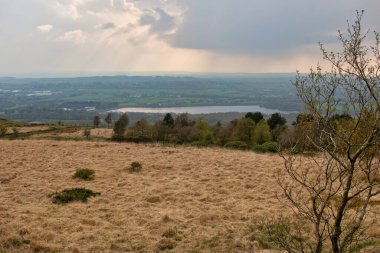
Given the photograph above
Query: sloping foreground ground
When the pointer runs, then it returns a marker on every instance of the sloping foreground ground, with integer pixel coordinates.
(187, 199)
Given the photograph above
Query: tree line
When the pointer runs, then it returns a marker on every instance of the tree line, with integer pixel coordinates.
(248, 132)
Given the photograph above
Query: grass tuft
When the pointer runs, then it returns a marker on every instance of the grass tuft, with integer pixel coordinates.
(84, 174)
(135, 167)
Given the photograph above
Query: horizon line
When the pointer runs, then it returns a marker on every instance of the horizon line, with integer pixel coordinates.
(134, 73)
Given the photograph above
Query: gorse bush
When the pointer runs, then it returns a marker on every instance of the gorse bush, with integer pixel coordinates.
(16, 133)
(84, 174)
(3, 131)
(135, 167)
(139, 139)
(74, 194)
(271, 147)
(118, 138)
(237, 145)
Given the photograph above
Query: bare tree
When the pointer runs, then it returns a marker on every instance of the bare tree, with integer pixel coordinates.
(332, 191)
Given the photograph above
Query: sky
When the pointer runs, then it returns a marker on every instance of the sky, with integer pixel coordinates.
(122, 36)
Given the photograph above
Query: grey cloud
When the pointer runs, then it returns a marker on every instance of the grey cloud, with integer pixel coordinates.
(106, 26)
(266, 27)
(148, 19)
(159, 21)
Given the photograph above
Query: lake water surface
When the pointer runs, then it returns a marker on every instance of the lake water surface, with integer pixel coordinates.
(203, 109)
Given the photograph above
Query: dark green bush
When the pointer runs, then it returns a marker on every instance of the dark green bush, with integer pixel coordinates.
(16, 133)
(295, 151)
(139, 139)
(119, 138)
(135, 167)
(271, 147)
(85, 174)
(3, 131)
(74, 194)
(236, 145)
(198, 144)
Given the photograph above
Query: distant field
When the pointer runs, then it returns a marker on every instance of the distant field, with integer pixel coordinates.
(79, 99)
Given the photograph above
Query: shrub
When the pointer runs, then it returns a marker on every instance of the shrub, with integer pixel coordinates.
(16, 133)
(139, 139)
(271, 147)
(3, 131)
(295, 151)
(74, 194)
(198, 144)
(170, 233)
(85, 174)
(281, 233)
(236, 145)
(166, 244)
(135, 167)
(207, 137)
(118, 137)
(87, 133)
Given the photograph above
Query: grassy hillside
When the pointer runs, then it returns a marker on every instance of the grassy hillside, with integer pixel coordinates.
(193, 200)
(182, 200)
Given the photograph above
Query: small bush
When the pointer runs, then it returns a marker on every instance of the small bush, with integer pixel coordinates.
(87, 133)
(166, 244)
(74, 194)
(139, 139)
(3, 131)
(118, 138)
(135, 167)
(271, 147)
(237, 145)
(198, 144)
(85, 174)
(282, 234)
(170, 233)
(295, 151)
(16, 133)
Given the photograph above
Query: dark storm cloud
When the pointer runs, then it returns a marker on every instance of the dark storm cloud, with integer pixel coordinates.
(266, 27)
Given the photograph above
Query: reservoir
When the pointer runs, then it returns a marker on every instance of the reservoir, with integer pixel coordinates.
(203, 109)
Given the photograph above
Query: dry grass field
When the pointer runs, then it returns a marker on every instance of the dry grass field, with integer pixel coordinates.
(185, 198)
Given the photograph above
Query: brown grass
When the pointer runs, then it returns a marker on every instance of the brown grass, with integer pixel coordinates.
(27, 129)
(184, 199)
